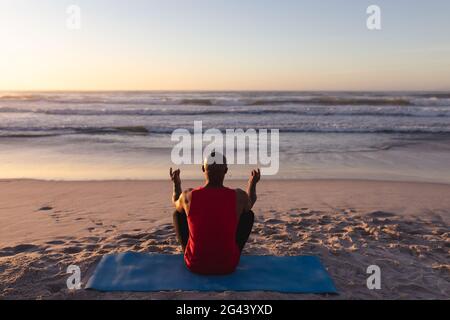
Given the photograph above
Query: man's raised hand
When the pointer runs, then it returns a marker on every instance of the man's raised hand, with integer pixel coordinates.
(175, 176)
(255, 177)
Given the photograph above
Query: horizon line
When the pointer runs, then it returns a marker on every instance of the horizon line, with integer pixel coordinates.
(219, 91)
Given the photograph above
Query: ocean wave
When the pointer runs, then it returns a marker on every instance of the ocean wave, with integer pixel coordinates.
(389, 112)
(143, 131)
(338, 101)
(85, 99)
(93, 99)
(158, 100)
(197, 102)
(14, 97)
(437, 95)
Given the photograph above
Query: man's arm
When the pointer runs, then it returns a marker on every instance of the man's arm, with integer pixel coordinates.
(177, 198)
(251, 188)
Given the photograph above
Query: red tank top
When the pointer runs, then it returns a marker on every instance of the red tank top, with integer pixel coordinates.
(212, 220)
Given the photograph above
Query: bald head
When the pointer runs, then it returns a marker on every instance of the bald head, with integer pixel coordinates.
(215, 167)
(214, 158)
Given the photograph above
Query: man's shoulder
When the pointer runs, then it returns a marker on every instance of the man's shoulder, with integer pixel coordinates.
(241, 193)
(186, 194)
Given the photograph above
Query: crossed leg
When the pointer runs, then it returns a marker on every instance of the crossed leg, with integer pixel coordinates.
(243, 231)
(181, 228)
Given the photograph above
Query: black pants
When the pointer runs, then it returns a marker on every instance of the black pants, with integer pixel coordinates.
(243, 231)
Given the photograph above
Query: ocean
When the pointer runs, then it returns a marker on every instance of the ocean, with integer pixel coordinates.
(402, 136)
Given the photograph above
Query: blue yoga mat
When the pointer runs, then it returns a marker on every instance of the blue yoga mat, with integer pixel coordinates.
(141, 272)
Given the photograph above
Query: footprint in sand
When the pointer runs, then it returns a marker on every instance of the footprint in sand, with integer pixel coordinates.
(91, 247)
(381, 214)
(108, 246)
(272, 221)
(167, 226)
(22, 248)
(72, 250)
(161, 233)
(306, 213)
(45, 208)
(56, 217)
(346, 211)
(55, 242)
(92, 239)
(132, 236)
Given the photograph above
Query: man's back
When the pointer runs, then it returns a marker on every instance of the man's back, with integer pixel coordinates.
(212, 220)
(213, 223)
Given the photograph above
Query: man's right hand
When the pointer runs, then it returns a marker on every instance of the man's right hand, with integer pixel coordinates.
(251, 188)
(255, 177)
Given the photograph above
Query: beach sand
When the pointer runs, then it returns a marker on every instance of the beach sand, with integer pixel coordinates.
(400, 226)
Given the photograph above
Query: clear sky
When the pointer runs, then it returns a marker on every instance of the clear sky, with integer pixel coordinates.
(224, 45)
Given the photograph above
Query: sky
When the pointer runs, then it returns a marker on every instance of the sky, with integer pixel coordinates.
(224, 45)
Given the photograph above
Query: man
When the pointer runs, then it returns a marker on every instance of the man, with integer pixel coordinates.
(213, 222)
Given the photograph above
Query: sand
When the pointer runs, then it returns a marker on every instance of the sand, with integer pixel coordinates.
(400, 226)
